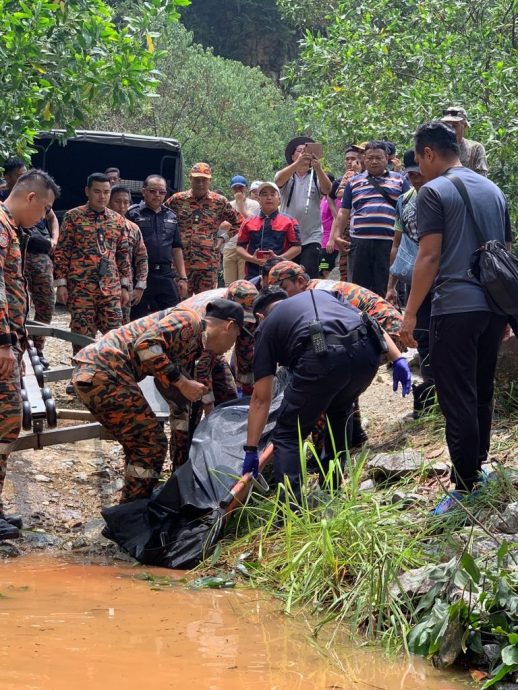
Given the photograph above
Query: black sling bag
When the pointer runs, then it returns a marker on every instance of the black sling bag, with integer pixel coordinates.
(494, 267)
(382, 191)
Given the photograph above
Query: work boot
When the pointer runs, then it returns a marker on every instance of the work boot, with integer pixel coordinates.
(15, 520)
(8, 531)
(70, 390)
(44, 361)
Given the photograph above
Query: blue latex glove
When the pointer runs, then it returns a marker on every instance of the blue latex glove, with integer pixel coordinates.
(401, 374)
(251, 463)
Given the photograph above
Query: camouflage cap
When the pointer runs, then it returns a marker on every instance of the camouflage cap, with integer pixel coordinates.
(455, 114)
(244, 293)
(284, 270)
(201, 170)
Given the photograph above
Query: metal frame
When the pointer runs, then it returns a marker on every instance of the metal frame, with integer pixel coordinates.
(41, 437)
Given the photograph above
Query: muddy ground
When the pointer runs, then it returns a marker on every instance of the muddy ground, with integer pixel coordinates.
(60, 490)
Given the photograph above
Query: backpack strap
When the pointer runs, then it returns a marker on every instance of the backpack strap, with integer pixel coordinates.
(461, 188)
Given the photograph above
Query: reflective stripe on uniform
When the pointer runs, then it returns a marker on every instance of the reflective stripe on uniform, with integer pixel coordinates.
(150, 352)
(141, 472)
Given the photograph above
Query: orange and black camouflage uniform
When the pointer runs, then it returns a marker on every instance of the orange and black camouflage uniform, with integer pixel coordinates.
(89, 241)
(221, 381)
(163, 345)
(199, 221)
(138, 264)
(13, 312)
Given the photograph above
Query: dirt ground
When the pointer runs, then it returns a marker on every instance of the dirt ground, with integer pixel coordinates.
(60, 490)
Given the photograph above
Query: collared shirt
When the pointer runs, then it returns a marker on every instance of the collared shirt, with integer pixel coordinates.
(295, 191)
(199, 221)
(160, 231)
(13, 288)
(473, 155)
(372, 216)
(277, 232)
(406, 214)
(87, 237)
(137, 255)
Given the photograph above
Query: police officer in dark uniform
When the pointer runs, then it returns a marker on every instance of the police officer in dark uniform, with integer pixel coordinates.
(332, 352)
(161, 236)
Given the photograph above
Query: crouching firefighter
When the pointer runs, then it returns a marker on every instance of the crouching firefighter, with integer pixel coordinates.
(165, 345)
(333, 353)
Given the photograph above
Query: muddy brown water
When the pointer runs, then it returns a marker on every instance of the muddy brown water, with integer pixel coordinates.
(72, 626)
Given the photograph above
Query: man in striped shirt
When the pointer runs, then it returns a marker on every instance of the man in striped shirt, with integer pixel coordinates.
(369, 203)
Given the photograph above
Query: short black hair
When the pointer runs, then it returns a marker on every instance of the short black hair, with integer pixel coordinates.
(269, 264)
(154, 176)
(352, 149)
(437, 136)
(267, 296)
(376, 144)
(390, 148)
(36, 180)
(13, 163)
(96, 177)
(120, 189)
(115, 170)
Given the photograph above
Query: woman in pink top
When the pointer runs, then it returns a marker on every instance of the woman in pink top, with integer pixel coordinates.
(328, 210)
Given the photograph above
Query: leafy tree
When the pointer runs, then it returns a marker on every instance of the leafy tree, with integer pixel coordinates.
(59, 57)
(379, 68)
(232, 116)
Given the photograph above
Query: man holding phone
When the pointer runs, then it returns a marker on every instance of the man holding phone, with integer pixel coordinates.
(267, 234)
(302, 183)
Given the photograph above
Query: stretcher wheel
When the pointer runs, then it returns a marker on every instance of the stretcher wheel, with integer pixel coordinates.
(46, 393)
(26, 416)
(38, 373)
(52, 416)
(33, 352)
(24, 394)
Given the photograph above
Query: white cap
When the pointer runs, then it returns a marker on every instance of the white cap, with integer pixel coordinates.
(268, 185)
(255, 185)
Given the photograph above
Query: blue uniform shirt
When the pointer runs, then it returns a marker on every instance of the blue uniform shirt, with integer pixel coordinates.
(159, 231)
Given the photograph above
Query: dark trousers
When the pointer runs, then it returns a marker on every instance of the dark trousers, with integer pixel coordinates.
(369, 262)
(422, 336)
(161, 293)
(320, 384)
(309, 257)
(463, 351)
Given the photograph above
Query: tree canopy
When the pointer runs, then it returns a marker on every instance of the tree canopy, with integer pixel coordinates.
(379, 68)
(221, 111)
(59, 57)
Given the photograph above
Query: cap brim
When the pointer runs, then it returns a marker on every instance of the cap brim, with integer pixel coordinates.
(292, 145)
(209, 177)
(245, 330)
(249, 316)
(413, 168)
(452, 118)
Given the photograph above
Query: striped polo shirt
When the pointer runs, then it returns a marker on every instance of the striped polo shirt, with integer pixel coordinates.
(372, 217)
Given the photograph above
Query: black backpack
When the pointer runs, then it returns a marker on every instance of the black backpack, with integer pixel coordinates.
(494, 267)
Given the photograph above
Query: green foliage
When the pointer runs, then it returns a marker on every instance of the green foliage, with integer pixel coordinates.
(379, 68)
(60, 57)
(222, 112)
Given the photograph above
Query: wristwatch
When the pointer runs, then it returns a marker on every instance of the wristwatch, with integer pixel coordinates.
(249, 448)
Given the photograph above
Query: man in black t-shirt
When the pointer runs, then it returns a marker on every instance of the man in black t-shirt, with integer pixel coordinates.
(321, 382)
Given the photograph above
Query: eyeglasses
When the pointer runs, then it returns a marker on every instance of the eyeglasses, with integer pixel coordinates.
(161, 192)
(453, 112)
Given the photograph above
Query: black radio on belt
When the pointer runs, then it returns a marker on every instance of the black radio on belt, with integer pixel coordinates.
(103, 267)
(376, 333)
(316, 332)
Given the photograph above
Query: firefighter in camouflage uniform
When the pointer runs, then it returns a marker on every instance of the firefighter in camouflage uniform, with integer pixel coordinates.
(91, 263)
(166, 345)
(200, 212)
(30, 200)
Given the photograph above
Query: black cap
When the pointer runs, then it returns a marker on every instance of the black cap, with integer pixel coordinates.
(409, 162)
(226, 310)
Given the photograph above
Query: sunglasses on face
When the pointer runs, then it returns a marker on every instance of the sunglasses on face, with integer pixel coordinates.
(453, 112)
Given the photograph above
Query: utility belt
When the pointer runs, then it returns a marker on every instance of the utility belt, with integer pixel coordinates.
(160, 267)
(358, 333)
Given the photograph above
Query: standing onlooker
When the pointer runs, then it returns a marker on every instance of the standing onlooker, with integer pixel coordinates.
(200, 212)
(161, 234)
(465, 333)
(120, 201)
(267, 234)
(29, 201)
(113, 175)
(406, 224)
(38, 268)
(233, 266)
(91, 264)
(369, 202)
(294, 182)
(253, 190)
(328, 211)
(472, 154)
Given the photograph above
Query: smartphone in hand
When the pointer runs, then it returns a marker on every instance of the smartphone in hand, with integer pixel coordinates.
(314, 150)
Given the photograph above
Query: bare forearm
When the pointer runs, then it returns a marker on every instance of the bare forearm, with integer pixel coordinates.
(339, 224)
(243, 254)
(53, 225)
(425, 270)
(323, 181)
(257, 418)
(291, 253)
(284, 175)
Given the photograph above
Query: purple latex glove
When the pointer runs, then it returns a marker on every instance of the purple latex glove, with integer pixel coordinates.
(401, 374)
(251, 462)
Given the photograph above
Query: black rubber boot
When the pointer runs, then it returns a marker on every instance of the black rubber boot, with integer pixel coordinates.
(15, 520)
(8, 531)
